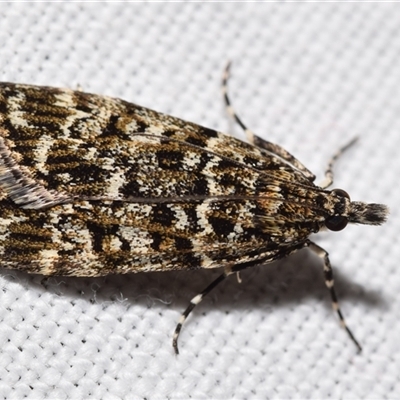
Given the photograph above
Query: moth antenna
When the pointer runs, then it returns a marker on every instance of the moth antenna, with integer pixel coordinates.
(256, 140)
(328, 180)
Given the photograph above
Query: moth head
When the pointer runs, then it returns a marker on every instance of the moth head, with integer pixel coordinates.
(356, 212)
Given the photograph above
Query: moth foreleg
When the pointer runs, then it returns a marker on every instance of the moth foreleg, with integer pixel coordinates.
(329, 282)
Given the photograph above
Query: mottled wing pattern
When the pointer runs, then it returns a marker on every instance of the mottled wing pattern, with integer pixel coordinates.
(91, 185)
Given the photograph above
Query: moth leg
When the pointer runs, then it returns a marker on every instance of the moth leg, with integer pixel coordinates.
(193, 303)
(229, 270)
(328, 180)
(44, 281)
(256, 140)
(320, 252)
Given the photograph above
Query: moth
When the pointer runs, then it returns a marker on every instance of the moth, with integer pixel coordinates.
(92, 185)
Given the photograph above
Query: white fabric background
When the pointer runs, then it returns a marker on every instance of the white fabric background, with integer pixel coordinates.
(309, 76)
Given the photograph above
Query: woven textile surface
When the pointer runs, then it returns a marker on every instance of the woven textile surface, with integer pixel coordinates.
(309, 76)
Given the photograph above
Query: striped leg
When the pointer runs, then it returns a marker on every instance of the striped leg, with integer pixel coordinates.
(329, 170)
(229, 270)
(193, 303)
(320, 252)
(256, 140)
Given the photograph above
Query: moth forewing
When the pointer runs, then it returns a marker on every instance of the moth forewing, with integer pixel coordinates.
(92, 185)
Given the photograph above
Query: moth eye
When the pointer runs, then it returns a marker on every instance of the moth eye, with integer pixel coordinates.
(336, 223)
(341, 192)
